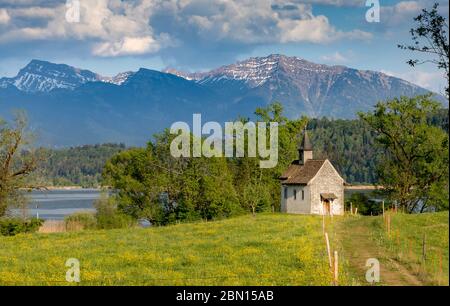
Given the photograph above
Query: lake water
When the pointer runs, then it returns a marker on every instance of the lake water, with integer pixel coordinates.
(56, 204)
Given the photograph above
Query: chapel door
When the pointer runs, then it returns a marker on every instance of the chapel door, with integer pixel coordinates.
(327, 207)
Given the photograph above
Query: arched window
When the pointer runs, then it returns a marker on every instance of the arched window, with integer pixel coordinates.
(303, 195)
(295, 194)
(285, 192)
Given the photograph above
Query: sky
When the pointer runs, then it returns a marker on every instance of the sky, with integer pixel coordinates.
(112, 36)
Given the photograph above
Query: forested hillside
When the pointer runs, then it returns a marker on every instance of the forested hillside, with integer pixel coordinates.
(349, 144)
(80, 166)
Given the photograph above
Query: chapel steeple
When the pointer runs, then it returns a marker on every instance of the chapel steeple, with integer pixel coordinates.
(305, 149)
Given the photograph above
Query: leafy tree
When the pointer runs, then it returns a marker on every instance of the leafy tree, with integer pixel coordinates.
(414, 170)
(130, 175)
(255, 197)
(289, 135)
(150, 183)
(430, 36)
(18, 160)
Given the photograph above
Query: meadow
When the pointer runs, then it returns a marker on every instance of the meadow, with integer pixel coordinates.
(269, 249)
(420, 242)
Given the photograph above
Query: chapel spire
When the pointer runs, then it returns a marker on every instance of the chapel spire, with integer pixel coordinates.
(305, 149)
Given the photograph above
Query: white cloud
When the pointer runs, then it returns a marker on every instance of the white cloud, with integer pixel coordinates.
(4, 16)
(400, 12)
(127, 46)
(268, 21)
(403, 12)
(116, 27)
(434, 81)
(315, 29)
(33, 12)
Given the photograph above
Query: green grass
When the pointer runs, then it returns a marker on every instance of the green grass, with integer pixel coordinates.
(271, 249)
(405, 243)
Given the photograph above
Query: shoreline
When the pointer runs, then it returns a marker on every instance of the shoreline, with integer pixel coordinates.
(63, 188)
(363, 187)
(56, 188)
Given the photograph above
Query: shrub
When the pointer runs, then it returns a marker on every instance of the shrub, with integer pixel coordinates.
(14, 226)
(80, 220)
(109, 217)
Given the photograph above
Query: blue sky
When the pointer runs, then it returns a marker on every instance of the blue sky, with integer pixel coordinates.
(114, 36)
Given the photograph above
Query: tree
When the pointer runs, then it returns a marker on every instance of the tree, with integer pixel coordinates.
(152, 184)
(255, 195)
(414, 170)
(430, 37)
(18, 160)
(289, 135)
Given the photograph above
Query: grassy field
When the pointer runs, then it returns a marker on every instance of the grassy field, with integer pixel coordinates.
(405, 241)
(271, 249)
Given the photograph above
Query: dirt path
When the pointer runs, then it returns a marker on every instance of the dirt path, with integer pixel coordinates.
(358, 247)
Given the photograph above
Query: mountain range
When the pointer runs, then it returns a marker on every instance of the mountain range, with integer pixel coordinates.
(70, 106)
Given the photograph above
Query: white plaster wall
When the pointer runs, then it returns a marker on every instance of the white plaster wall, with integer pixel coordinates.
(296, 206)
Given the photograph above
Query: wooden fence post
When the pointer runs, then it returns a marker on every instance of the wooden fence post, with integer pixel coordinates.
(424, 247)
(383, 208)
(351, 208)
(336, 268)
(389, 225)
(328, 250)
(440, 267)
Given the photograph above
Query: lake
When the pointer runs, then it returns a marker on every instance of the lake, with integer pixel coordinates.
(56, 204)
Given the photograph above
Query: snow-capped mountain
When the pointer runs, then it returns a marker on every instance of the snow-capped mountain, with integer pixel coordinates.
(133, 105)
(302, 86)
(258, 70)
(119, 79)
(42, 76)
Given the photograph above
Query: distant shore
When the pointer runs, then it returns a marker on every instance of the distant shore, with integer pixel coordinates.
(65, 188)
(56, 188)
(363, 187)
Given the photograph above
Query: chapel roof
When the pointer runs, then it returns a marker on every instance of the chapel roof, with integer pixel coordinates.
(298, 174)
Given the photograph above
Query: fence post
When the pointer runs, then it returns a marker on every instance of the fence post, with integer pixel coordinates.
(336, 268)
(351, 208)
(328, 250)
(389, 225)
(383, 208)
(424, 247)
(440, 267)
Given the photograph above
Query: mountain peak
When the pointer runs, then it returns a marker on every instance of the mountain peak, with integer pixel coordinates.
(118, 79)
(43, 76)
(256, 71)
